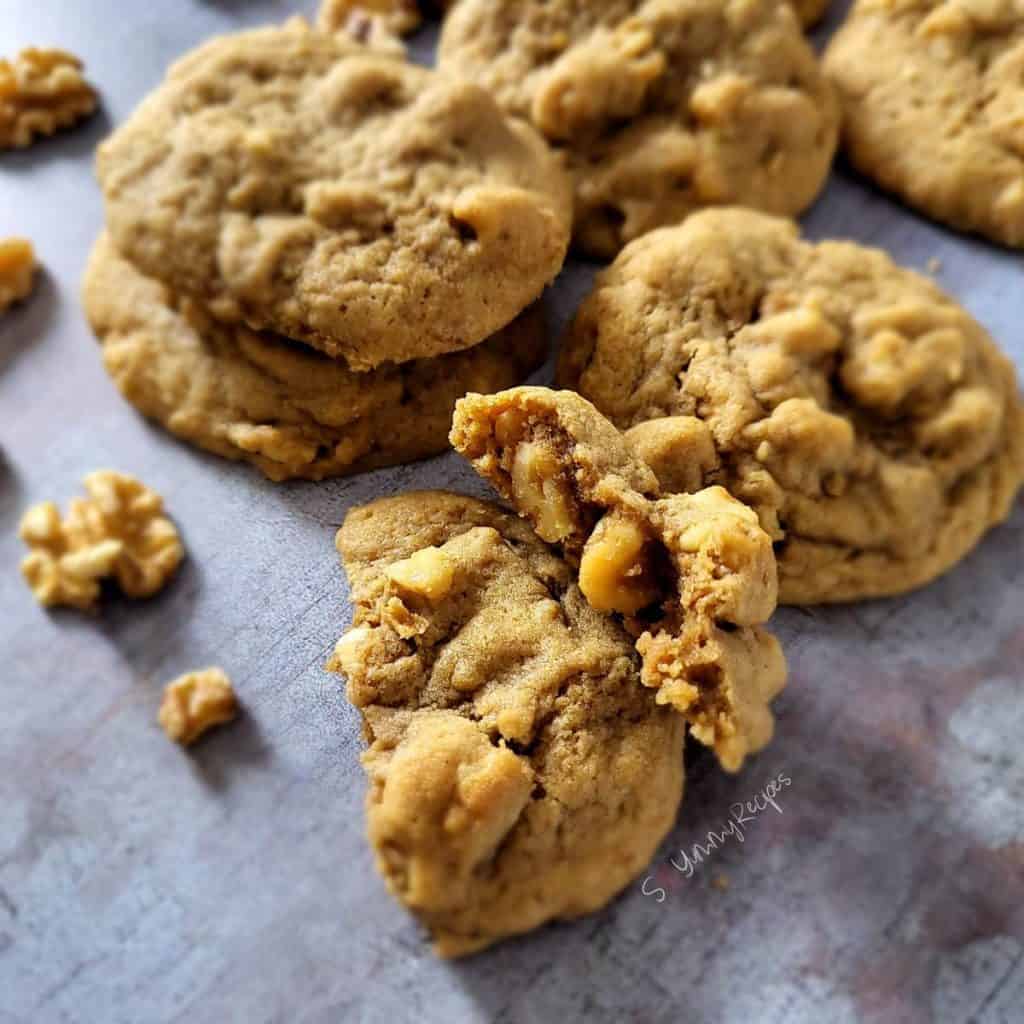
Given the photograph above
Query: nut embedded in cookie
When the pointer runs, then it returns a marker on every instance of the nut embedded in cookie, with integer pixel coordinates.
(692, 575)
(117, 532)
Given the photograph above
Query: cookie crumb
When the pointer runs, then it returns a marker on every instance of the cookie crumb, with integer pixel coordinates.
(720, 882)
(196, 702)
(17, 271)
(41, 91)
(357, 17)
(934, 265)
(118, 531)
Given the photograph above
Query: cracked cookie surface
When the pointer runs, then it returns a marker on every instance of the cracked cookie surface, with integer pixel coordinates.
(298, 182)
(692, 575)
(287, 409)
(933, 106)
(518, 771)
(874, 426)
(660, 107)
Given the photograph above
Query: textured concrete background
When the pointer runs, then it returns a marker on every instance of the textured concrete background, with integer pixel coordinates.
(138, 884)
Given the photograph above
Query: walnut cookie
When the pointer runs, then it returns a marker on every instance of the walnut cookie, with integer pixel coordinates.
(287, 409)
(518, 771)
(871, 422)
(933, 106)
(298, 182)
(692, 575)
(660, 107)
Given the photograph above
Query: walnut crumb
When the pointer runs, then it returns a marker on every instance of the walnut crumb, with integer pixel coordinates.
(17, 269)
(118, 531)
(196, 702)
(41, 91)
(370, 22)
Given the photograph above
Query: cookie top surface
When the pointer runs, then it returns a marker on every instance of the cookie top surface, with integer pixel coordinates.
(303, 184)
(518, 770)
(284, 407)
(871, 422)
(692, 576)
(661, 107)
(933, 105)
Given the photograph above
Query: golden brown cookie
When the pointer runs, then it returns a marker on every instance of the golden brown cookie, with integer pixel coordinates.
(933, 106)
(692, 575)
(298, 182)
(286, 408)
(518, 771)
(870, 421)
(660, 107)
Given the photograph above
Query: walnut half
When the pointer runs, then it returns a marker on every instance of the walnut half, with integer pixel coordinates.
(118, 531)
(40, 92)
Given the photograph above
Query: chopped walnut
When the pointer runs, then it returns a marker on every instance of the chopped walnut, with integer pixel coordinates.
(615, 571)
(118, 531)
(195, 702)
(17, 268)
(428, 573)
(41, 91)
(540, 491)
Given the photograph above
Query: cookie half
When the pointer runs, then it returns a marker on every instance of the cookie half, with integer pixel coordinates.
(869, 420)
(933, 107)
(300, 183)
(518, 771)
(692, 576)
(287, 409)
(660, 107)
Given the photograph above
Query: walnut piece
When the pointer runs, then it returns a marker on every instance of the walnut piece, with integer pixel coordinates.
(41, 91)
(117, 531)
(540, 492)
(615, 571)
(428, 573)
(17, 269)
(195, 702)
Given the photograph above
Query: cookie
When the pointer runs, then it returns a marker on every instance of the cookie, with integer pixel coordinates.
(872, 423)
(660, 107)
(518, 771)
(301, 183)
(692, 576)
(932, 93)
(289, 410)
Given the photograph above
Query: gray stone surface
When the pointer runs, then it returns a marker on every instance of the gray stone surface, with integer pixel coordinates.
(138, 884)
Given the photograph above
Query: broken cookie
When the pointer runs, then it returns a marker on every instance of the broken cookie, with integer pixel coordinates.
(518, 771)
(692, 575)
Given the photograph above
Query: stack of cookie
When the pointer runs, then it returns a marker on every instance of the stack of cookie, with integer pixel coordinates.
(313, 249)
